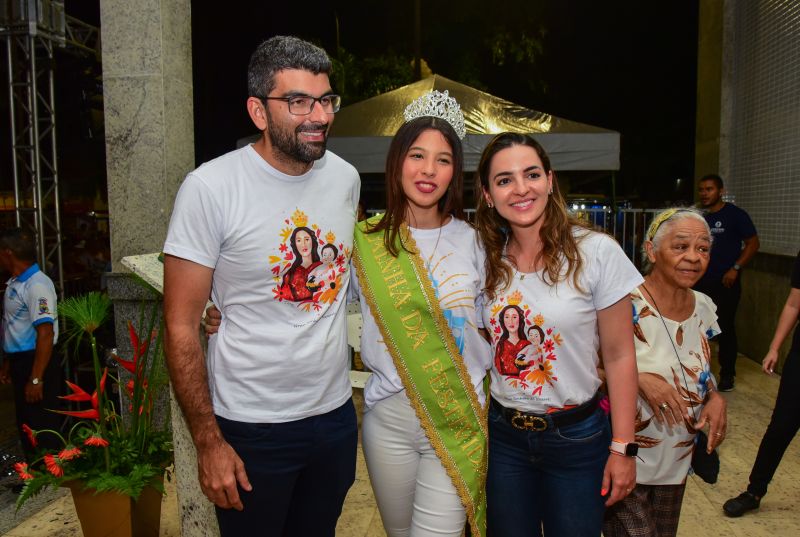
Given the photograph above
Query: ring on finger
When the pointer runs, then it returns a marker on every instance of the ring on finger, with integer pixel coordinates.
(664, 406)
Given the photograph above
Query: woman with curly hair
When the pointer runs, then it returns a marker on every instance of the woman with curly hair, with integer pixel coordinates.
(550, 470)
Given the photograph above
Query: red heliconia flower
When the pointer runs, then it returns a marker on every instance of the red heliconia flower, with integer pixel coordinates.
(81, 395)
(141, 409)
(69, 453)
(78, 393)
(53, 465)
(139, 350)
(90, 414)
(30, 433)
(23, 471)
(131, 386)
(96, 441)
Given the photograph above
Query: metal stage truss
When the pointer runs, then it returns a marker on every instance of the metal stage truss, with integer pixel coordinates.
(31, 30)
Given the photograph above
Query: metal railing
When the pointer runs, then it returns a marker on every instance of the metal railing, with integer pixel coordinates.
(628, 226)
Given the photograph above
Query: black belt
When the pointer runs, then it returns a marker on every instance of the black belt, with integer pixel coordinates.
(528, 421)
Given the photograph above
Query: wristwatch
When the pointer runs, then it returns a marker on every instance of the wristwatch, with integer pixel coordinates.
(737, 266)
(35, 381)
(629, 449)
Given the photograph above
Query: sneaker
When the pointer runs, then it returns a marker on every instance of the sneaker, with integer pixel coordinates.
(741, 504)
(726, 384)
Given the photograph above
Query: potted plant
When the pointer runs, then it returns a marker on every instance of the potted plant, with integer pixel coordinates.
(107, 457)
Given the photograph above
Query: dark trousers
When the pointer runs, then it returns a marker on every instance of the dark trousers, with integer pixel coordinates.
(727, 301)
(39, 415)
(300, 472)
(782, 427)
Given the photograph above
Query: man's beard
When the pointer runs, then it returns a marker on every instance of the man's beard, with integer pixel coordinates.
(289, 144)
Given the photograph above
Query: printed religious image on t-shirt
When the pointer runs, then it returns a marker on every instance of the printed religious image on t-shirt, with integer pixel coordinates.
(310, 266)
(525, 346)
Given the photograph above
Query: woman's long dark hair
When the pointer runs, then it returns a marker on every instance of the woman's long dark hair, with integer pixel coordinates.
(559, 245)
(299, 258)
(396, 200)
(520, 327)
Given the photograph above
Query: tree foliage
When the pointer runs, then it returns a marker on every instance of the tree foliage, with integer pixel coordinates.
(358, 78)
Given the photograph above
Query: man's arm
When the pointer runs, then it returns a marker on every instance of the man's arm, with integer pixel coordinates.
(186, 290)
(41, 357)
(751, 246)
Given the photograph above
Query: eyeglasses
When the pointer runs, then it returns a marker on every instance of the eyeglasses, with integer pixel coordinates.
(302, 105)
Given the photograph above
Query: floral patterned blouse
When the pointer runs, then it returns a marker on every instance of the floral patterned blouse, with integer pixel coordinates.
(666, 452)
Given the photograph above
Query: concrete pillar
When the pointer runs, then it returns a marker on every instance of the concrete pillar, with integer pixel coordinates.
(709, 87)
(149, 129)
(149, 126)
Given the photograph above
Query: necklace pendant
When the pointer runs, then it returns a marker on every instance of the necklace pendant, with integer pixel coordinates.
(522, 276)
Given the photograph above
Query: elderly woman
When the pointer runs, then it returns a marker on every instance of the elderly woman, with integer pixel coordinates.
(678, 397)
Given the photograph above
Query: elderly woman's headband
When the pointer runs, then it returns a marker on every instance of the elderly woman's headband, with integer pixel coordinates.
(658, 220)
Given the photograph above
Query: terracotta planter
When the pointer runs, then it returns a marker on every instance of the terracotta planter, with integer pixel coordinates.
(111, 514)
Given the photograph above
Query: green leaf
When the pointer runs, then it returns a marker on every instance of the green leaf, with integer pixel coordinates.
(33, 487)
(84, 313)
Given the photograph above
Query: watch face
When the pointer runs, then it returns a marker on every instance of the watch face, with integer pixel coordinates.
(632, 449)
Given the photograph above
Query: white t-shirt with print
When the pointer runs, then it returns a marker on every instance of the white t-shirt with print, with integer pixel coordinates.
(455, 260)
(554, 363)
(281, 351)
(665, 453)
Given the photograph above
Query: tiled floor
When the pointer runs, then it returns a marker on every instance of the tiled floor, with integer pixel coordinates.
(749, 409)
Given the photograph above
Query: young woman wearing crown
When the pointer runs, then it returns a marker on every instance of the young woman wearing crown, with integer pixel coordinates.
(550, 470)
(419, 277)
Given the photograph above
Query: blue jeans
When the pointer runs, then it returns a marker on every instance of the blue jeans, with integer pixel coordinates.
(546, 481)
(300, 471)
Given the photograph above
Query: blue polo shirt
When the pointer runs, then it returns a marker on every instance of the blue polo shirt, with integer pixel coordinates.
(30, 300)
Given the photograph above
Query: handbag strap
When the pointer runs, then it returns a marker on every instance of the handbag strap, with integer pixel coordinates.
(674, 348)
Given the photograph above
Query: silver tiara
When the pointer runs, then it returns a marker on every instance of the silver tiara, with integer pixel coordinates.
(437, 104)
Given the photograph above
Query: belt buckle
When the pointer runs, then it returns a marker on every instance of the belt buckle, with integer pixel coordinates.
(527, 422)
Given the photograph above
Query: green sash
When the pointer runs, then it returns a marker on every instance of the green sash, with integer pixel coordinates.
(425, 354)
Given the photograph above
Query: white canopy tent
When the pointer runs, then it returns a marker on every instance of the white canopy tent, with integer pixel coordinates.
(362, 131)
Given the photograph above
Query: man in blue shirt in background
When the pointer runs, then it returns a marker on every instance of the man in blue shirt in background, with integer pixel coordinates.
(30, 330)
(735, 242)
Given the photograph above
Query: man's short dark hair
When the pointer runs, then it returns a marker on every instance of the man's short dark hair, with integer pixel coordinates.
(713, 177)
(21, 242)
(279, 53)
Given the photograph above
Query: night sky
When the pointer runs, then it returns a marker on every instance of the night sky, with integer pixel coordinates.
(625, 65)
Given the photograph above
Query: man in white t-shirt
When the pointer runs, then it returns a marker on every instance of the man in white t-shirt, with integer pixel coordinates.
(270, 412)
